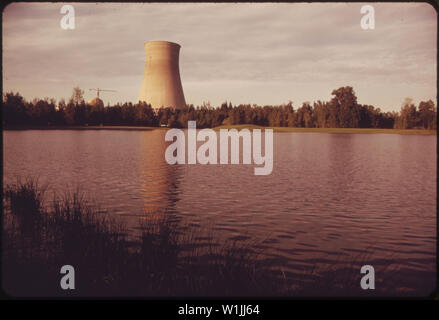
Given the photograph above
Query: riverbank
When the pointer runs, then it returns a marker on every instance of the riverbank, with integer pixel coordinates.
(238, 127)
(332, 130)
(136, 128)
(169, 258)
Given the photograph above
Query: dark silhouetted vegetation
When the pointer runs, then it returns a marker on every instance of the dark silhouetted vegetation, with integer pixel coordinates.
(342, 111)
(166, 259)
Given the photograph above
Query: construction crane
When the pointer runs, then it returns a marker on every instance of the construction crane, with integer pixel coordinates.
(99, 90)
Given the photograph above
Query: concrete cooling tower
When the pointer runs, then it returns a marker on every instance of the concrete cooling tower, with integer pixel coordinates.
(161, 85)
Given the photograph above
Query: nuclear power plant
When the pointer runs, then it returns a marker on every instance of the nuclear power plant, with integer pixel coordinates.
(161, 84)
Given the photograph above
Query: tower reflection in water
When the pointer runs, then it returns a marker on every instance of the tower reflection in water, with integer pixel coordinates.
(158, 180)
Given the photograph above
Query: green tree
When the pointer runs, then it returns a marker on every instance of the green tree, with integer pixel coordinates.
(426, 117)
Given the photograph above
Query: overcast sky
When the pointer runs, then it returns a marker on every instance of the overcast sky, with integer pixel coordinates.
(263, 53)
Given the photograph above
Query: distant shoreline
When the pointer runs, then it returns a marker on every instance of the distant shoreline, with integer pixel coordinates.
(238, 127)
(333, 130)
(136, 128)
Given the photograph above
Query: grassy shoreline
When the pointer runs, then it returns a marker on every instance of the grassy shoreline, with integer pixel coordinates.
(170, 258)
(167, 259)
(135, 128)
(238, 127)
(332, 130)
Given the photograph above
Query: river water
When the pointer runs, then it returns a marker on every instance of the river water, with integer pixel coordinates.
(333, 202)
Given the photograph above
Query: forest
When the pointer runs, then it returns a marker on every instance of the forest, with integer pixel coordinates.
(342, 111)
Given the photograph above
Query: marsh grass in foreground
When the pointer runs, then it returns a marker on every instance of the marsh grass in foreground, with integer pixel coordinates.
(166, 260)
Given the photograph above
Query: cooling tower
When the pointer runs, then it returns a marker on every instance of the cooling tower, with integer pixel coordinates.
(161, 85)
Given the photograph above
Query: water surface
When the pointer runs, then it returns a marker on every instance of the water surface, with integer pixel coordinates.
(333, 202)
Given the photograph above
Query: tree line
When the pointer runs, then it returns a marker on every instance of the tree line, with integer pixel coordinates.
(342, 111)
